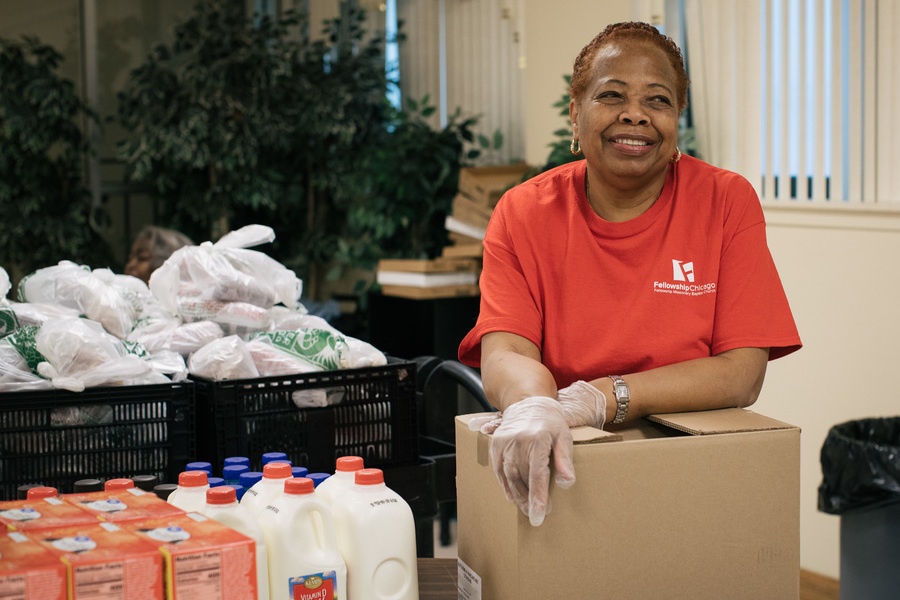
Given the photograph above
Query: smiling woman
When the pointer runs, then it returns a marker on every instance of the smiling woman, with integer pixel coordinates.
(637, 275)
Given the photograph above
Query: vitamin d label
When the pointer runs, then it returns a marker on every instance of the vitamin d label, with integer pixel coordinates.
(313, 587)
(104, 581)
(198, 576)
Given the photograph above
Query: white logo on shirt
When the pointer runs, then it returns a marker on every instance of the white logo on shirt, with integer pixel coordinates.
(683, 281)
(682, 271)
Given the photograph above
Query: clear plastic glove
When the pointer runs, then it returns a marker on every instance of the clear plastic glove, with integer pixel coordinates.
(487, 424)
(530, 431)
(583, 404)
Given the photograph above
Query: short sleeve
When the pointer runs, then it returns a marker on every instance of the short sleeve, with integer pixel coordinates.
(508, 303)
(752, 309)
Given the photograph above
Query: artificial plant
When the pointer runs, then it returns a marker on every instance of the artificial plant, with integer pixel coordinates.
(242, 121)
(45, 207)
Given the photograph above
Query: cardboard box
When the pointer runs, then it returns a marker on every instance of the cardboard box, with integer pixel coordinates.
(203, 558)
(43, 513)
(468, 211)
(28, 571)
(120, 506)
(431, 292)
(435, 265)
(485, 185)
(463, 250)
(103, 560)
(696, 506)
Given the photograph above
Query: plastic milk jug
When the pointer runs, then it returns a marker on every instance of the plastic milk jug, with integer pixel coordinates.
(190, 495)
(36, 493)
(257, 497)
(344, 477)
(377, 536)
(304, 559)
(222, 505)
(112, 485)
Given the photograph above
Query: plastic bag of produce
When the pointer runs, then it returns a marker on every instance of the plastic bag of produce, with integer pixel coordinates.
(224, 358)
(114, 301)
(15, 373)
(204, 277)
(272, 361)
(79, 353)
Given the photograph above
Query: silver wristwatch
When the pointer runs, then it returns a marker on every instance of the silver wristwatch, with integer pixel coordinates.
(623, 396)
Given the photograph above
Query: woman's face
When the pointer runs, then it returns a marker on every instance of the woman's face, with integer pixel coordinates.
(139, 260)
(627, 121)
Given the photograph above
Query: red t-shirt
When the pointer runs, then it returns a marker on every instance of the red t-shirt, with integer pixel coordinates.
(691, 277)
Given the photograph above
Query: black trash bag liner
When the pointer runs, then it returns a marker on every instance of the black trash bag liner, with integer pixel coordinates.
(860, 465)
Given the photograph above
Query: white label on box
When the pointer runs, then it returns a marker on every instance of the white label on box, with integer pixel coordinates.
(109, 526)
(17, 537)
(54, 501)
(468, 583)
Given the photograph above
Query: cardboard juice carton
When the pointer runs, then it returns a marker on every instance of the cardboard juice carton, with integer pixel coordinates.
(202, 557)
(28, 571)
(118, 506)
(41, 513)
(103, 560)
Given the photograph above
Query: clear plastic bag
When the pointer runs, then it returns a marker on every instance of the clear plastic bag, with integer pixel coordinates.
(79, 353)
(114, 301)
(224, 358)
(205, 277)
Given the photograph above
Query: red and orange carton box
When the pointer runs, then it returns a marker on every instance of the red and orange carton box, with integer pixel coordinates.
(28, 571)
(120, 506)
(202, 557)
(41, 513)
(104, 560)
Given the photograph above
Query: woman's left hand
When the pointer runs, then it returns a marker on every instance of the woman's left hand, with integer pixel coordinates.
(529, 432)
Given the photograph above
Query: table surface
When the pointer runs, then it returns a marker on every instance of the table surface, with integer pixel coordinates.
(437, 578)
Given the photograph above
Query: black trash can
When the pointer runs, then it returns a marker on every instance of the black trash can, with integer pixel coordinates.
(861, 483)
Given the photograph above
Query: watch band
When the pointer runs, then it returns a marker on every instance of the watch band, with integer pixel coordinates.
(623, 397)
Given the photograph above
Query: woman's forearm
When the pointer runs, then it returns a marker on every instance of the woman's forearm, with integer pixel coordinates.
(731, 379)
(511, 370)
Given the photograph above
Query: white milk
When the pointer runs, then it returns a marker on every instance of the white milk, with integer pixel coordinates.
(377, 536)
(344, 477)
(190, 495)
(303, 548)
(222, 505)
(268, 488)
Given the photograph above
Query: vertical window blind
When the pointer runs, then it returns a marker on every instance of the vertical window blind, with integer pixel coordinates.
(797, 96)
(465, 54)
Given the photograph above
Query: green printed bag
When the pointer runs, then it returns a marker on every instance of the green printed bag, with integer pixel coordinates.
(319, 347)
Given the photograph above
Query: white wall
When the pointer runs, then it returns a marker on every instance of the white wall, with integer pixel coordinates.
(841, 276)
(555, 32)
(839, 269)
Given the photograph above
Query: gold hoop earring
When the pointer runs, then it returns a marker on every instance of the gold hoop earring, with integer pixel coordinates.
(676, 157)
(575, 147)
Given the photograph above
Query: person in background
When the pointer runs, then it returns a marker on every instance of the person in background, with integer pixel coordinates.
(636, 281)
(152, 246)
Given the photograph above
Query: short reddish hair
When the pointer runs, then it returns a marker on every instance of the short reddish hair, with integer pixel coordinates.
(633, 30)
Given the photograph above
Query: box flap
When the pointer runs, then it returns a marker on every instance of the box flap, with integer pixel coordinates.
(725, 420)
(590, 435)
(580, 435)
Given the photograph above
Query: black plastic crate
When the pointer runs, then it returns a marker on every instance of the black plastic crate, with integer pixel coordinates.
(56, 437)
(375, 418)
